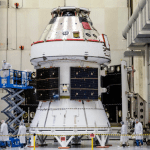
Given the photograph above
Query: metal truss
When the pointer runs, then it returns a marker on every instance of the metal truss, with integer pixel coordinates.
(13, 111)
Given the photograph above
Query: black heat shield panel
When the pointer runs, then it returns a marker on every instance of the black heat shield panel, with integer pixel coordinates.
(112, 99)
(84, 94)
(47, 84)
(84, 83)
(47, 73)
(47, 95)
(113, 111)
(30, 105)
(112, 82)
(30, 97)
(31, 108)
(78, 72)
(113, 95)
(110, 79)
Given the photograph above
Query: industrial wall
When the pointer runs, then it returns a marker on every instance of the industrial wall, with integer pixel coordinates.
(139, 66)
(25, 25)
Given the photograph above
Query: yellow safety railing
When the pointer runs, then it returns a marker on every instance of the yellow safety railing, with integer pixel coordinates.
(91, 143)
(79, 135)
(34, 141)
(34, 136)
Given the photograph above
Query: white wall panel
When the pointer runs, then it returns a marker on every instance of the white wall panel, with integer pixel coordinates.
(98, 22)
(3, 4)
(3, 105)
(117, 56)
(97, 3)
(111, 3)
(25, 3)
(12, 28)
(50, 3)
(26, 65)
(44, 19)
(139, 76)
(86, 3)
(72, 3)
(30, 25)
(3, 28)
(31, 4)
(111, 26)
(122, 20)
(27, 27)
(2, 56)
(115, 3)
(14, 58)
(12, 3)
(122, 3)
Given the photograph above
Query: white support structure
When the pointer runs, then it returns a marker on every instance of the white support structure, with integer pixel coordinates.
(147, 82)
(137, 31)
(65, 142)
(32, 140)
(124, 90)
(102, 139)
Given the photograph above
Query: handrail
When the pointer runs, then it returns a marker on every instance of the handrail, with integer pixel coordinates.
(15, 79)
(134, 16)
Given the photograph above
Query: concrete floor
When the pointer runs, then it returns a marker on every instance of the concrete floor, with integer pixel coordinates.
(86, 145)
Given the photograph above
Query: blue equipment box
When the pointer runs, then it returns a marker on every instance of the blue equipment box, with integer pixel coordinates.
(15, 142)
(2, 144)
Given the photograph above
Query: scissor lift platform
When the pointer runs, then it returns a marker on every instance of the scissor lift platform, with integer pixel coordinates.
(16, 79)
(15, 83)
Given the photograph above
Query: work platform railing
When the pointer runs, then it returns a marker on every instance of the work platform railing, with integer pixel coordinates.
(15, 79)
(137, 31)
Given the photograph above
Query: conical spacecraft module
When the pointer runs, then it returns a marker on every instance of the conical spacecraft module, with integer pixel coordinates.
(67, 59)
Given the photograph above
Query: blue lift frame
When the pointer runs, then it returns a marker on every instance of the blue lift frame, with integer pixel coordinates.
(14, 84)
(13, 76)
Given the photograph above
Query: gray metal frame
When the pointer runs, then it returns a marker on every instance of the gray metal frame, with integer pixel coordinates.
(137, 107)
(13, 111)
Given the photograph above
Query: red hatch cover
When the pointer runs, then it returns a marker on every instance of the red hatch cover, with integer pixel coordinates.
(62, 138)
(86, 25)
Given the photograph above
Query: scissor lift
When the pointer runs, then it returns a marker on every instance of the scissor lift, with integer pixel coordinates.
(15, 83)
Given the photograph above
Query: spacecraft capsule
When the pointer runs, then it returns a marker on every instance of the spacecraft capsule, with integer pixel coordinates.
(67, 60)
(71, 35)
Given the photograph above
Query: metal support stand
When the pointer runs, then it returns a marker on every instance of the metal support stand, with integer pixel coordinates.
(33, 139)
(13, 111)
(77, 140)
(102, 140)
(147, 61)
(42, 139)
(124, 91)
(64, 143)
